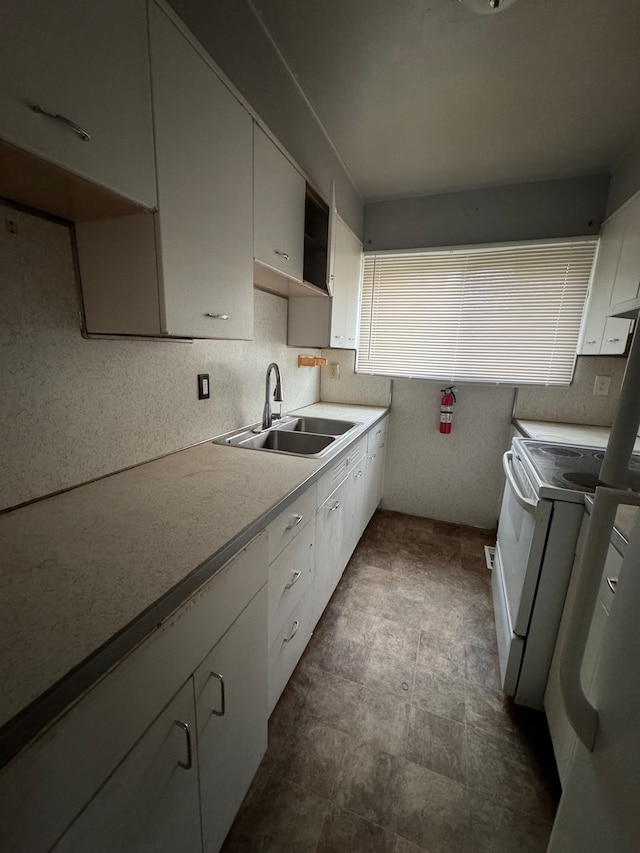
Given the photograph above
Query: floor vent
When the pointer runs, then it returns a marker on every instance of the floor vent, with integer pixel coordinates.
(489, 556)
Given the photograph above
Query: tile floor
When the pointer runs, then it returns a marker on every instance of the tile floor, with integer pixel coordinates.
(392, 735)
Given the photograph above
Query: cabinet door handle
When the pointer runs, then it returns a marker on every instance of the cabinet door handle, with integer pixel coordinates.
(189, 762)
(82, 134)
(373, 456)
(296, 578)
(334, 507)
(221, 712)
(338, 337)
(612, 340)
(379, 432)
(283, 255)
(612, 583)
(592, 342)
(217, 316)
(294, 631)
(296, 521)
(359, 474)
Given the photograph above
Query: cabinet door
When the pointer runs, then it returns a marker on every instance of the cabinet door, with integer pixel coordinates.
(151, 802)
(627, 278)
(358, 502)
(86, 63)
(204, 153)
(346, 287)
(597, 327)
(231, 709)
(375, 475)
(279, 193)
(331, 524)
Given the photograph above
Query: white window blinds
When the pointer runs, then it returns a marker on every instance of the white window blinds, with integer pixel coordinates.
(508, 313)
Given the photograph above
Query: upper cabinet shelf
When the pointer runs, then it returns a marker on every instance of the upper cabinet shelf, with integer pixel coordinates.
(316, 241)
(75, 96)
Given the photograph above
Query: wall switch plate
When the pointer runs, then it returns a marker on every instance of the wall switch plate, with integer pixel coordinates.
(602, 385)
(203, 386)
(334, 370)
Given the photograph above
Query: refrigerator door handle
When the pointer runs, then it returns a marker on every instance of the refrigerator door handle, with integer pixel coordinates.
(581, 714)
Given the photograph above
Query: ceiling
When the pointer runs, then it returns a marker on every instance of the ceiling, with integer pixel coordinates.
(424, 96)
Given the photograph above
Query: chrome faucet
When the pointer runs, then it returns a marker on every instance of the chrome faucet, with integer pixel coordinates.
(267, 416)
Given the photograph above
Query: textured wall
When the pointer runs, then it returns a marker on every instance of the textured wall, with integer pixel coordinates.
(534, 211)
(74, 409)
(576, 404)
(456, 477)
(351, 387)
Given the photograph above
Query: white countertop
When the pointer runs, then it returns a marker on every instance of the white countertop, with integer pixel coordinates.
(591, 436)
(81, 566)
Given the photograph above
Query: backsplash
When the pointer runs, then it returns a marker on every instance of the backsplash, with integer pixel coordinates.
(576, 404)
(75, 409)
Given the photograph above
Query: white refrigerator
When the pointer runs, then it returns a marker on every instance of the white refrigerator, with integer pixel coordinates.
(599, 810)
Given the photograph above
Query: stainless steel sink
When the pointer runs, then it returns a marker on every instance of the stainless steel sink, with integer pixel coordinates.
(295, 436)
(303, 443)
(318, 426)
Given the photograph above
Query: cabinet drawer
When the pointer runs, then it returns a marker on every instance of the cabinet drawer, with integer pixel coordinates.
(287, 648)
(290, 576)
(290, 522)
(56, 775)
(330, 481)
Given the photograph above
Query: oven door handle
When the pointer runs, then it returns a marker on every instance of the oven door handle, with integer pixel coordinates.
(526, 504)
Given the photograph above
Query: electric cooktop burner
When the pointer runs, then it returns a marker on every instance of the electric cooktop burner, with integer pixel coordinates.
(570, 467)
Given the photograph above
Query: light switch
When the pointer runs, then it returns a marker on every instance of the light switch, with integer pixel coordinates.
(203, 386)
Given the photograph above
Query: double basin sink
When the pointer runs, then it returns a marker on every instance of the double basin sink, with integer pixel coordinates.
(312, 437)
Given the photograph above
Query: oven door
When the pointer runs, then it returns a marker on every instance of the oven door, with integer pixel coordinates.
(522, 535)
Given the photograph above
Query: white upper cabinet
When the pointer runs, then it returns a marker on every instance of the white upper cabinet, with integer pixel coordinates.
(204, 152)
(186, 271)
(616, 278)
(279, 198)
(346, 276)
(318, 322)
(75, 89)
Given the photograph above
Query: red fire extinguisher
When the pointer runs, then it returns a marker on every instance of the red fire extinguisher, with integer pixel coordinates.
(446, 408)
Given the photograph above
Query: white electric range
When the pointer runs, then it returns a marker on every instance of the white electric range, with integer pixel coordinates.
(542, 510)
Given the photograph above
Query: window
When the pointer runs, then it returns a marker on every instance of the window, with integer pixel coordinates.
(509, 313)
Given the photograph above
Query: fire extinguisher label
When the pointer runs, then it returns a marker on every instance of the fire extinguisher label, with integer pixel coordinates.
(446, 417)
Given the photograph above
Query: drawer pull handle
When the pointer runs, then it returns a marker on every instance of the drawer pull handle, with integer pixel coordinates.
(189, 762)
(373, 456)
(296, 521)
(223, 704)
(294, 631)
(612, 583)
(295, 579)
(283, 255)
(217, 316)
(82, 134)
(359, 474)
(334, 507)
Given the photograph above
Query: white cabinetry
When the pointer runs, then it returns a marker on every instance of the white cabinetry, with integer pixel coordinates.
(116, 743)
(616, 278)
(318, 322)
(84, 63)
(376, 455)
(563, 737)
(186, 271)
(292, 538)
(231, 711)
(331, 526)
(278, 204)
(151, 802)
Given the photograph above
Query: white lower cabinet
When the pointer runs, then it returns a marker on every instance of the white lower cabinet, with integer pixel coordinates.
(376, 456)
(231, 713)
(331, 536)
(151, 802)
(288, 646)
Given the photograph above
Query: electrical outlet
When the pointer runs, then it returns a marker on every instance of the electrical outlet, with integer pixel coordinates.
(203, 386)
(334, 370)
(601, 386)
(11, 226)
